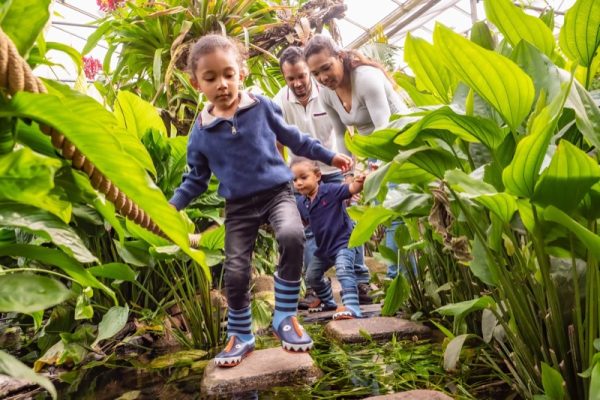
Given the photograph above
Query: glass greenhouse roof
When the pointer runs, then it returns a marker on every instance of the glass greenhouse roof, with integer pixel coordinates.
(71, 23)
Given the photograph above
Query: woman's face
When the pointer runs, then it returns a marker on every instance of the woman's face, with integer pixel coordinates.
(327, 68)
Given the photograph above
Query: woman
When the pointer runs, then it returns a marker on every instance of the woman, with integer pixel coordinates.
(357, 93)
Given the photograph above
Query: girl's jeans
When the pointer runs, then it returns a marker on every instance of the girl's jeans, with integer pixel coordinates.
(242, 219)
(344, 262)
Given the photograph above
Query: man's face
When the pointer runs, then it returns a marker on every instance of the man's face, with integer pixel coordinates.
(297, 77)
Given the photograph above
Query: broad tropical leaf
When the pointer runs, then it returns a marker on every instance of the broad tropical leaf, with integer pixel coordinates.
(587, 237)
(136, 115)
(96, 133)
(494, 77)
(482, 35)
(422, 59)
(569, 177)
(368, 222)
(580, 34)
(27, 293)
(47, 226)
(24, 21)
(28, 178)
(515, 25)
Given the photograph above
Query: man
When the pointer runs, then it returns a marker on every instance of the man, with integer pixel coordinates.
(299, 101)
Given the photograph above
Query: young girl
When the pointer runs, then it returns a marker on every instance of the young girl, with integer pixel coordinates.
(324, 205)
(235, 138)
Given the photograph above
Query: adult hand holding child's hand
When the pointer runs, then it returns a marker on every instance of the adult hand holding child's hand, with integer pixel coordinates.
(342, 162)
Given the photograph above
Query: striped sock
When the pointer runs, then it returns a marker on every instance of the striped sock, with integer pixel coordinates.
(325, 293)
(239, 323)
(350, 300)
(286, 299)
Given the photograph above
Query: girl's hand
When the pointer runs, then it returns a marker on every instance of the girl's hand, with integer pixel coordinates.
(342, 162)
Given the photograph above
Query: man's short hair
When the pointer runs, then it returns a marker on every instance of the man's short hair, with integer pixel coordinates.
(292, 55)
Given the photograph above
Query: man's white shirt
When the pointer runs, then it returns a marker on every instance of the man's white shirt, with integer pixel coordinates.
(312, 119)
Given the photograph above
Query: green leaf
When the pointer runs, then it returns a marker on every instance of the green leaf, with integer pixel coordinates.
(95, 36)
(28, 178)
(502, 204)
(27, 293)
(406, 201)
(492, 76)
(468, 185)
(59, 259)
(479, 265)
(553, 382)
(47, 226)
(587, 113)
(588, 238)
(83, 308)
(397, 293)
(516, 25)
(580, 34)
(11, 366)
(470, 129)
(368, 222)
(432, 160)
(380, 144)
(96, 133)
(112, 322)
(137, 116)
(213, 239)
(464, 308)
(419, 98)
(178, 359)
(521, 175)
(115, 270)
(569, 177)
(595, 383)
(452, 352)
(422, 57)
(24, 21)
(482, 35)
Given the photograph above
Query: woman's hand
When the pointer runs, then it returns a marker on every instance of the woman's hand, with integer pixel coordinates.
(342, 162)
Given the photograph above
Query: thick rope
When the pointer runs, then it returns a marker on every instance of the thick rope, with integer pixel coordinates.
(16, 76)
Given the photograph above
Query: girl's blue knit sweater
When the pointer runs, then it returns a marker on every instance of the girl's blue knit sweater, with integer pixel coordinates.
(242, 151)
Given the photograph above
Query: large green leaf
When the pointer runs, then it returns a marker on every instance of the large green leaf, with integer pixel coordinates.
(368, 222)
(59, 259)
(380, 144)
(117, 271)
(422, 59)
(11, 366)
(502, 204)
(97, 134)
(482, 35)
(515, 25)
(587, 113)
(580, 34)
(397, 293)
(28, 178)
(470, 129)
(546, 76)
(435, 161)
(47, 226)
(494, 77)
(463, 308)
(521, 175)
(112, 322)
(552, 382)
(568, 178)
(479, 265)
(137, 116)
(24, 21)
(27, 293)
(213, 239)
(587, 237)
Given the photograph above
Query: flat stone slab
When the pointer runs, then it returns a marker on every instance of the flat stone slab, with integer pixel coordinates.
(413, 395)
(379, 328)
(262, 369)
(368, 310)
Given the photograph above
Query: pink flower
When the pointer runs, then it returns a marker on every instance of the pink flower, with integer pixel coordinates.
(109, 5)
(91, 66)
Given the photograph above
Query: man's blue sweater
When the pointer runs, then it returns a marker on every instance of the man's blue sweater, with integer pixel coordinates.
(242, 151)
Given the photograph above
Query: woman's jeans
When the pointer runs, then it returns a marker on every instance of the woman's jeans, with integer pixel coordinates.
(344, 262)
(242, 219)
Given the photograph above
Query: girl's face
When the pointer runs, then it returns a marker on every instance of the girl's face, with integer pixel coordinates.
(218, 76)
(306, 180)
(327, 69)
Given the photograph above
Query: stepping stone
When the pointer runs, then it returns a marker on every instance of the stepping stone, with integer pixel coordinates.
(379, 328)
(261, 370)
(368, 310)
(413, 395)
